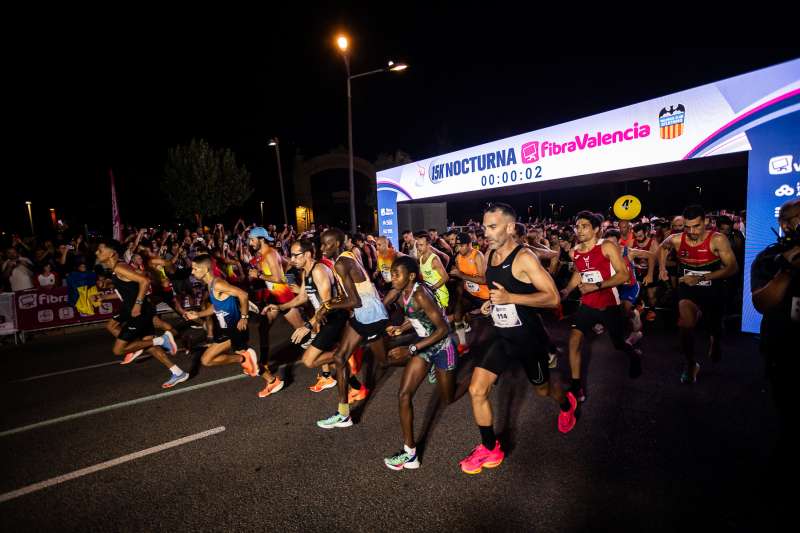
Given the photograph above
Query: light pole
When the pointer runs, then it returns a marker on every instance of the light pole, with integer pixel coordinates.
(344, 47)
(30, 216)
(262, 212)
(274, 142)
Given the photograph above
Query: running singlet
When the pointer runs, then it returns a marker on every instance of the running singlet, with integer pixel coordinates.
(278, 292)
(593, 267)
(431, 277)
(227, 310)
(423, 326)
(313, 292)
(372, 309)
(467, 265)
(698, 260)
(629, 266)
(515, 322)
(642, 263)
(127, 291)
(385, 264)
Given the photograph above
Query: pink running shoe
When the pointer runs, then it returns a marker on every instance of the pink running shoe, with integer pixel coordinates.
(566, 419)
(482, 457)
(131, 356)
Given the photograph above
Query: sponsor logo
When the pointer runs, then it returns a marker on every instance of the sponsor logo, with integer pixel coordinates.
(533, 151)
(49, 299)
(26, 301)
(387, 222)
(387, 212)
(45, 315)
(777, 211)
(670, 121)
(66, 313)
(784, 190)
(107, 308)
(782, 164)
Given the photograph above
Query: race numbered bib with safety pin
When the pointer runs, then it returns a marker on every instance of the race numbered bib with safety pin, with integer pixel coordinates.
(387, 275)
(591, 276)
(687, 272)
(472, 287)
(418, 327)
(505, 316)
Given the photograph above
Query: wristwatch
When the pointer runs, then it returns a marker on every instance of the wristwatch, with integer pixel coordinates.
(139, 302)
(307, 325)
(245, 316)
(412, 349)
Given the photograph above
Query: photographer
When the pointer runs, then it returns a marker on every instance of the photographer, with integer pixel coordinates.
(17, 271)
(775, 286)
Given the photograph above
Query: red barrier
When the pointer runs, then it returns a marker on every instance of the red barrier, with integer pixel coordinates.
(49, 308)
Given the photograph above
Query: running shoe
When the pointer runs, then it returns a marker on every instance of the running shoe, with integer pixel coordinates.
(635, 368)
(169, 342)
(335, 421)
(463, 349)
(581, 395)
(355, 360)
(130, 357)
(566, 419)
(175, 379)
(482, 457)
(322, 383)
(356, 395)
(687, 378)
(636, 322)
(432, 375)
(552, 360)
(402, 460)
(599, 329)
(271, 388)
(250, 362)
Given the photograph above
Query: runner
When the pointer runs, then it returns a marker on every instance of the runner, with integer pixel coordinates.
(644, 253)
(386, 258)
(133, 326)
(472, 293)
(268, 268)
(433, 273)
(704, 259)
(432, 349)
(319, 287)
(629, 292)
(518, 285)
(368, 322)
(599, 270)
(229, 306)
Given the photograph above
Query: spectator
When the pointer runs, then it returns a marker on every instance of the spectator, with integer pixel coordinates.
(17, 271)
(47, 278)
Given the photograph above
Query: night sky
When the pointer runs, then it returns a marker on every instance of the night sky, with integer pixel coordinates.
(119, 93)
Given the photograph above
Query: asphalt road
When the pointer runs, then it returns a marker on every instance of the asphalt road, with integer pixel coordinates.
(646, 455)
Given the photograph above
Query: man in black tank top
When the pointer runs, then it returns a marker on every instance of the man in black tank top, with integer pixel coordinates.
(133, 326)
(517, 286)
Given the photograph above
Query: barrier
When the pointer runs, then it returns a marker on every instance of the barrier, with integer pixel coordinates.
(38, 309)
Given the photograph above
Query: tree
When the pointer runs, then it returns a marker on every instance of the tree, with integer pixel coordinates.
(201, 180)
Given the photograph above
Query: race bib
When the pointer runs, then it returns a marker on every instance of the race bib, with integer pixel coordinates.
(472, 287)
(687, 272)
(591, 276)
(505, 316)
(221, 318)
(314, 301)
(387, 276)
(795, 312)
(418, 327)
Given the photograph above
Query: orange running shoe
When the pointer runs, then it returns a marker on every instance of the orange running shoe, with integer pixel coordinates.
(271, 388)
(250, 362)
(355, 360)
(322, 383)
(356, 395)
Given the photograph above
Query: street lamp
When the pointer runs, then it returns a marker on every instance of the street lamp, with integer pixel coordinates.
(343, 43)
(274, 142)
(262, 212)
(30, 216)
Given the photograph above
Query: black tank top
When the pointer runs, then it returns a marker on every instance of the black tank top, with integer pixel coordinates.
(531, 323)
(127, 291)
(313, 292)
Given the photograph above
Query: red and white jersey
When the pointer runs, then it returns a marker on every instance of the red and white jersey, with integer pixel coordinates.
(641, 263)
(593, 266)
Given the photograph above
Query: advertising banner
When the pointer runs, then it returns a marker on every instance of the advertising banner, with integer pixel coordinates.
(50, 308)
(8, 320)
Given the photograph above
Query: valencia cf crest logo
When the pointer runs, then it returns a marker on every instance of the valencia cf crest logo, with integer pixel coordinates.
(671, 121)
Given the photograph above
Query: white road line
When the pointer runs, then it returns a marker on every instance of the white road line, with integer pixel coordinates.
(107, 464)
(119, 405)
(64, 372)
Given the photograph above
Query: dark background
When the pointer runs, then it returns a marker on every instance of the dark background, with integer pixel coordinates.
(89, 94)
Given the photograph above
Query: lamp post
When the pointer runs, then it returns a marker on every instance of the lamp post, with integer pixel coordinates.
(274, 142)
(262, 212)
(30, 216)
(344, 47)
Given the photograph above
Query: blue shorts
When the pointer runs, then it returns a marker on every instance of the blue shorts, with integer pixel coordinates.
(629, 293)
(443, 359)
